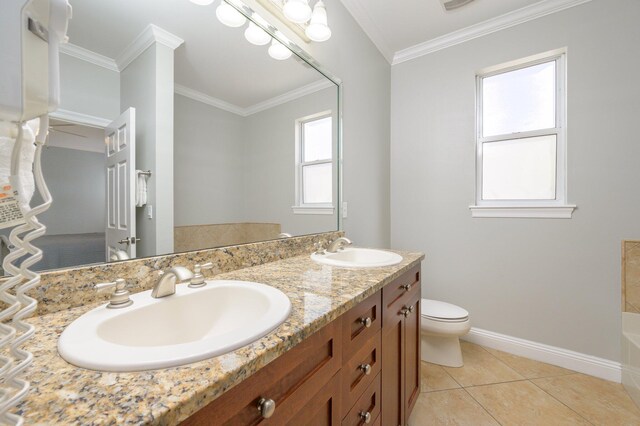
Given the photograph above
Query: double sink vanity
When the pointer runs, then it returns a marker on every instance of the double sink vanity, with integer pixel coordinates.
(291, 341)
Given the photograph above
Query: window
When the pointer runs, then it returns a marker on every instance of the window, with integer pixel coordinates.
(521, 142)
(314, 164)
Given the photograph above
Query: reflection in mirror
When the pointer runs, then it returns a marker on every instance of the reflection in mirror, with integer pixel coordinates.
(176, 133)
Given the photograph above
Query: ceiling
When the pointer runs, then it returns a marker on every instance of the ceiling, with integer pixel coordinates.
(215, 60)
(394, 25)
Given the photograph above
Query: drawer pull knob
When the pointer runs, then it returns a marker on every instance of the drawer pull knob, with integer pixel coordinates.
(366, 369)
(407, 287)
(366, 321)
(266, 407)
(406, 311)
(365, 416)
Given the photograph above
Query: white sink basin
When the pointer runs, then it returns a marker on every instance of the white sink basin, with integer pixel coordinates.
(353, 257)
(191, 325)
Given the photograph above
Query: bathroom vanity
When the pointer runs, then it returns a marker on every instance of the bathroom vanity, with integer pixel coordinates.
(342, 374)
(347, 354)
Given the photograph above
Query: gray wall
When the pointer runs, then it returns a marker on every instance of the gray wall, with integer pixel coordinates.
(147, 85)
(269, 184)
(89, 89)
(231, 169)
(350, 55)
(76, 180)
(551, 281)
(209, 164)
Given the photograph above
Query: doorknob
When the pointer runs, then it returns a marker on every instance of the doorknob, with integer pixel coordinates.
(129, 240)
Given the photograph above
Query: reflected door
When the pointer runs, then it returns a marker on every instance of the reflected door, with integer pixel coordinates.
(120, 232)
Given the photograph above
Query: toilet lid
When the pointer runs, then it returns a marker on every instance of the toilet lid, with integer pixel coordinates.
(443, 310)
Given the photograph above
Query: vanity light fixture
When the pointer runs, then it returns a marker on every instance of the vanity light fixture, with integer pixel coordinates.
(279, 51)
(229, 16)
(297, 11)
(256, 35)
(318, 30)
(297, 15)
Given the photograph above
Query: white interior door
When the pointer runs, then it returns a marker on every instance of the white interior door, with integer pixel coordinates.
(120, 141)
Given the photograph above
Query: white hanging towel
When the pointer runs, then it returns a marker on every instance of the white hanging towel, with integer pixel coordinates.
(141, 188)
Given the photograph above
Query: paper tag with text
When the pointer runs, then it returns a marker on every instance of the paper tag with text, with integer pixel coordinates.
(10, 212)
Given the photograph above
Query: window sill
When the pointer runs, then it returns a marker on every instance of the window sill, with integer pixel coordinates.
(532, 212)
(313, 210)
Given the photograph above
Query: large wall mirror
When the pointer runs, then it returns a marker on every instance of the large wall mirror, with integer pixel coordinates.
(177, 133)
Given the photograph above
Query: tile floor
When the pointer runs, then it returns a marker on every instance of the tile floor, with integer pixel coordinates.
(496, 388)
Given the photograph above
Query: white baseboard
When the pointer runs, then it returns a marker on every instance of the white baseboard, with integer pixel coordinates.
(576, 361)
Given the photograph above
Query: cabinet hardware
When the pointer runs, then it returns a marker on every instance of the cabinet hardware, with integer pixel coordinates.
(366, 321)
(366, 368)
(365, 416)
(266, 407)
(407, 287)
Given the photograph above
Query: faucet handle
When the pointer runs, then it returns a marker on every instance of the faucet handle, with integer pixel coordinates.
(119, 293)
(319, 249)
(198, 278)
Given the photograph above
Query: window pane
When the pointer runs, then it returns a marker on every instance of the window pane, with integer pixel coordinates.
(317, 183)
(520, 100)
(519, 169)
(317, 140)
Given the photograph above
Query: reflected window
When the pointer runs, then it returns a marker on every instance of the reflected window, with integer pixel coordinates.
(521, 135)
(314, 162)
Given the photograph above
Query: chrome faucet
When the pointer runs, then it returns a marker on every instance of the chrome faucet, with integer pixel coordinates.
(166, 285)
(338, 244)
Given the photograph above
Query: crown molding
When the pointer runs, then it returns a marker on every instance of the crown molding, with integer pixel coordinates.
(289, 96)
(520, 16)
(80, 118)
(209, 100)
(368, 25)
(260, 106)
(151, 34)
(86, 55)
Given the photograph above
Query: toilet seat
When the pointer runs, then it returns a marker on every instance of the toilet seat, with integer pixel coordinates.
(436, 310)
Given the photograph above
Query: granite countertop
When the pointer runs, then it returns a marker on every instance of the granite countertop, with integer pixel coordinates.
(64, 394)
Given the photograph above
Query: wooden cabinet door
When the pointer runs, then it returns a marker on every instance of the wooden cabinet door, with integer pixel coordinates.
(392, 368)
(400, 348)
(412, 357)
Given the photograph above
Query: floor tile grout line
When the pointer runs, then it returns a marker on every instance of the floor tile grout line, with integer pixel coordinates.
(452, 378)
(545, 391)
(499, 360)
(495, 383)
(482, 406)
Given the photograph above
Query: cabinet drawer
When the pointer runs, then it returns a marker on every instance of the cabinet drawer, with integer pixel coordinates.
(360, 324)
(291, 380)
(323, 409)
(354, 372)
(367, 405)
(398, 294)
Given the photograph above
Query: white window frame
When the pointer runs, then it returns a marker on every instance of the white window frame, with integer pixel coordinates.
(557, 208)
(311, 208)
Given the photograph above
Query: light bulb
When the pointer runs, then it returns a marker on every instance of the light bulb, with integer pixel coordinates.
(256, 35)
(229, 16)
(202, 2)
(297, 11)
(318, 30)
(279, 51)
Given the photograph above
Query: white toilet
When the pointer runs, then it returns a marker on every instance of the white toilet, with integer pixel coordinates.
(441, 325)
